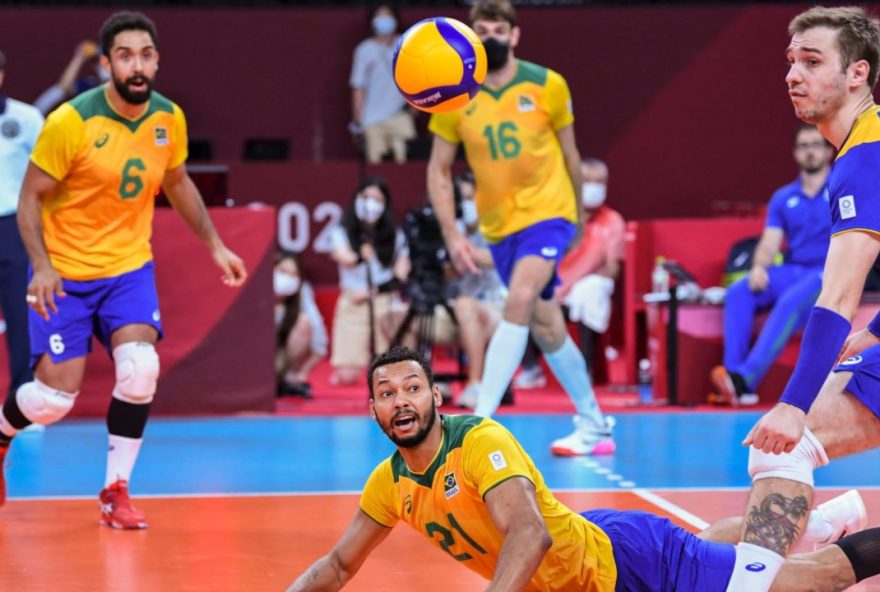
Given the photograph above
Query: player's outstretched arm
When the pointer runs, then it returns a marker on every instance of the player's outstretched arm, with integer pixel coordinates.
(186, 199)
(45, 283)
(515, 512)
(333, 570)
(462, 252)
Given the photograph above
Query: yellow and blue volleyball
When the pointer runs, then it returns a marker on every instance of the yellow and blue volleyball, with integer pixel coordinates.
(439, 65)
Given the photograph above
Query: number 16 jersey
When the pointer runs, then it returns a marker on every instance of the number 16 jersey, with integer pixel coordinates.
(97, 222)
(509, 137)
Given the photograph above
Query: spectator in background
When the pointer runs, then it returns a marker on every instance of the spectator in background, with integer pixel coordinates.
(478, 299)
(302, 337)
(799, 215)
(19, 126)
(83, 72)
(379, 112)
(372, 257)
(588, 272)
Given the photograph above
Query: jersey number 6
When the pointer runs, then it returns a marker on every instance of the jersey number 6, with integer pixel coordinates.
(132, 184)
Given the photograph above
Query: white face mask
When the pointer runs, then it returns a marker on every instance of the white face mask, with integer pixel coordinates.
(592, 194)
(469, 212)
(285, 284)
(368, 210)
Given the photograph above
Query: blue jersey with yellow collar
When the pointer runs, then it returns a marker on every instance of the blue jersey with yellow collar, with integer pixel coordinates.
(854, 182)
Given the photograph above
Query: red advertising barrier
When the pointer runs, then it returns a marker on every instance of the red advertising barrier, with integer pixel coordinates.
(217, 354)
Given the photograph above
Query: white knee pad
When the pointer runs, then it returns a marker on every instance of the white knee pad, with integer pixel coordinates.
(42, 404)
(796, 465)
(137, 369)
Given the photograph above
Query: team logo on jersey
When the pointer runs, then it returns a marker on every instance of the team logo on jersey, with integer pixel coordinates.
(10, 129)
(526, 103)
(161, 135)
(498, 461)
(99, 143)
(793, 201)
(450, 485)
(847, 206)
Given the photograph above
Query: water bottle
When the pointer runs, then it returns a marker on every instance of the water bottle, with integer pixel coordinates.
(646, 392)
(660, 277)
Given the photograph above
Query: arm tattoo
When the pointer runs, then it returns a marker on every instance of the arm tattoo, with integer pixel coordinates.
(773, 524)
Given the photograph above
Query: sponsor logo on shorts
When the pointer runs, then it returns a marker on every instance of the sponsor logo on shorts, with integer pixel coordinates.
(756, 567)
(161, 135)
(498, 461)
(99, 143)
(852, 360)
(156, 315)
(847, 206)
(450, 486)
(549, 251)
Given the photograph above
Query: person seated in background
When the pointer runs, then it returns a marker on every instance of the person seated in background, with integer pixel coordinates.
(588, 272)
(477, 299)
(83, 72)
(372, 257)
(302, 337)
(379, 112)
(799, 215)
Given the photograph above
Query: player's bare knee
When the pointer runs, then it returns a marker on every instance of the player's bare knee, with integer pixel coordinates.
(137, 370)
(796, 465)
(42, 404)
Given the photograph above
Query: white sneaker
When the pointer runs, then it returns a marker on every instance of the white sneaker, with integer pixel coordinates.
(530, 378)
(845, 514)
(586, 439)
(469, 396)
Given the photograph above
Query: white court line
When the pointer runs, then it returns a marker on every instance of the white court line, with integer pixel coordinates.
(673, 509)
(40, 498)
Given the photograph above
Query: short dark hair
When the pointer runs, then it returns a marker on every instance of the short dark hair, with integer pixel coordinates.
(125, 21)
(399, 354)
(804, 127)
(2, 61)
(493, 10)
(858, 34)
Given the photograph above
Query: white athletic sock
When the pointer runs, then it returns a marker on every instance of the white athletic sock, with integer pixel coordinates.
(121, 456)
(503, 356)
(570, 369)
(755, 569)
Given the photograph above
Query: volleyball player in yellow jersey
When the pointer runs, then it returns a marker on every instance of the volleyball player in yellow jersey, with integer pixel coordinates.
(466, 484)
(86, 218)
(518, 136)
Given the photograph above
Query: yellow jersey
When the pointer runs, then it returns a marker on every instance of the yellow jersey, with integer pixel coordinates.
(97, 222)
(445, 503)
(509, 138)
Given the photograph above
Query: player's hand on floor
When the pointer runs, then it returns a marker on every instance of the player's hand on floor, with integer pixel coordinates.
(44, 286)
(779, 430)
(463, 254)
(856, 343)
(234, 271)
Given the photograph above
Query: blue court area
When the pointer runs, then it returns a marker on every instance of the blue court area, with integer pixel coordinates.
(248, 455)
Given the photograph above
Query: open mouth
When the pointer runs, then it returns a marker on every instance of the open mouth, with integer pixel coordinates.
(404, 420)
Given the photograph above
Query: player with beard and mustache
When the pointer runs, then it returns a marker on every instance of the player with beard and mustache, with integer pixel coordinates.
(798, 215)
(467, 485)
(518, 135)
(85, 215)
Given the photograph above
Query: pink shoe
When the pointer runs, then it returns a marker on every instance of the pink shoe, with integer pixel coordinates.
(3, 451)
(116, 508)
(586, 440)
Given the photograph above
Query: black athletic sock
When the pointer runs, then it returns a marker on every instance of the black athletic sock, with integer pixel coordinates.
(13, 413)
(863, 551)
(127, 419)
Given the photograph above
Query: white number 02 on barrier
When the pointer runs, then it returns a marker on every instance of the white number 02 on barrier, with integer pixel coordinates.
(295, 226)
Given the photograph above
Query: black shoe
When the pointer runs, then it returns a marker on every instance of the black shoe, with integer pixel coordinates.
(507, 399)
(295, 389)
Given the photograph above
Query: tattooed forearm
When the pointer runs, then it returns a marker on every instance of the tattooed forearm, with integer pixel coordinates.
(774, 523)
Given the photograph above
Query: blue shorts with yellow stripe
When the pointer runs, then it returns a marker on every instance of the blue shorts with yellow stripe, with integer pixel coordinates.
(654, 555)
(865, 382)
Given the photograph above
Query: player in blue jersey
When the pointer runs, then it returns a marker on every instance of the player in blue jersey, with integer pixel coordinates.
(466, 484)
(798, 215)
(833, 58)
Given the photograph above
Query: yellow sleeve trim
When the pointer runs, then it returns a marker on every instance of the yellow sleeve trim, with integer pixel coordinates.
(865, 230)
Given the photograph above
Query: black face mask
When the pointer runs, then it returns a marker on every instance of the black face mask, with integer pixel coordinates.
(497, 53)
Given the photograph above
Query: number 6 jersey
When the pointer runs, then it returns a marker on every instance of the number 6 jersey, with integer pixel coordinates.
(446, 504)
(509, 138)
(97, 222)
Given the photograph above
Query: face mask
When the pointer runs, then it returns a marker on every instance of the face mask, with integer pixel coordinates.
(384, 24)
(285, 284)
(593, 195)
(368, 210)
(469, 212)
(497, 53)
